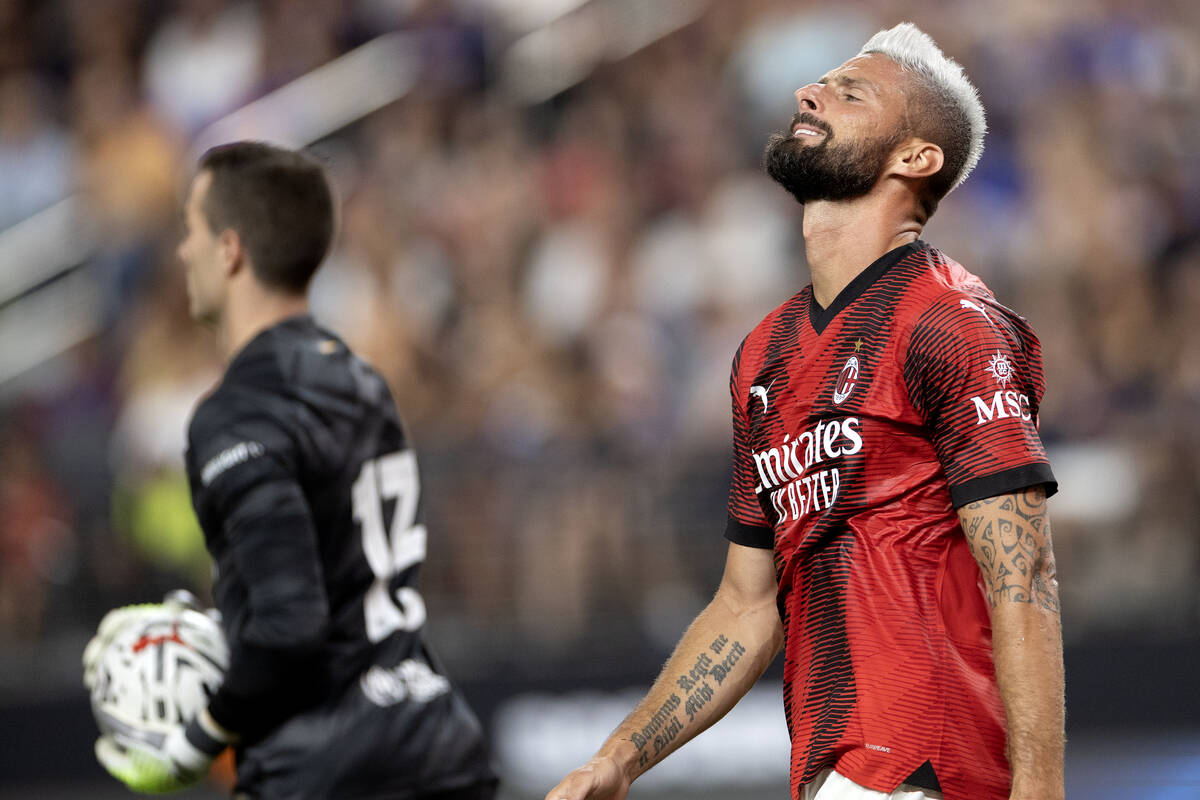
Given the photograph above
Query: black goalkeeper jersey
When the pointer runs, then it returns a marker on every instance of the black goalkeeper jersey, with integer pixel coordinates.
(309, 497)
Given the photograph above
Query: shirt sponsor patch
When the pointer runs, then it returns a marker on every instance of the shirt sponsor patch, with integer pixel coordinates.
(410, 679)
(1002, 405)
(1000, 368)
(228, 458)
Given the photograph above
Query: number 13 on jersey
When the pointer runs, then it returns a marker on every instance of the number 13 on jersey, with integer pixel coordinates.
(390, 477)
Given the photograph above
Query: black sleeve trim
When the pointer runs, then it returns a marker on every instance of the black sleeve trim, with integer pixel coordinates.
(739, 532)
(1010, 480)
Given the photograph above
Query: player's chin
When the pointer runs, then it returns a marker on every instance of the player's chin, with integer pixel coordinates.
(202, 313)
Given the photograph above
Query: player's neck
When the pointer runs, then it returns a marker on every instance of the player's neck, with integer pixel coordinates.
(842, 239)
(250, 312)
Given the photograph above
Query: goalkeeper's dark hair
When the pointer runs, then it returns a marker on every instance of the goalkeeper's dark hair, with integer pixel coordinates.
(280, 204)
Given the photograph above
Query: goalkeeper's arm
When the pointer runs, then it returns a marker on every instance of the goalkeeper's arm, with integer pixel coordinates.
(716, 662)
(276, 613)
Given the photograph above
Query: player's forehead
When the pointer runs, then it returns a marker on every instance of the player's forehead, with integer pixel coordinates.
(194, 216)
(197, 190)
(874, 72)
(199, 186)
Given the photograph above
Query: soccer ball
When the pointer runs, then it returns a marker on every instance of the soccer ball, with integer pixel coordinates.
(151, 668)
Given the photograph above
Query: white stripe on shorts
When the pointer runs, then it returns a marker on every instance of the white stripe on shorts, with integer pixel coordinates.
(830, 785)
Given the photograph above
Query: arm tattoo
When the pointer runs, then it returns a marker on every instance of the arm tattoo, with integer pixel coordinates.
(1010, 539)
(697, 688)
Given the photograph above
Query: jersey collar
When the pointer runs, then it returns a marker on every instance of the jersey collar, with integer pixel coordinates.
(821, 317)
(249, 351)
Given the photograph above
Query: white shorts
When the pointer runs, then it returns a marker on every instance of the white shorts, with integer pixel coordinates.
(829, 785)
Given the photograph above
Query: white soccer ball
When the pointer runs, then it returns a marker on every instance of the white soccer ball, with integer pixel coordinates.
(151, 668)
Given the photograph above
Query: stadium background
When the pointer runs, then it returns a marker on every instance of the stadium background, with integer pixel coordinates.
(554, 234)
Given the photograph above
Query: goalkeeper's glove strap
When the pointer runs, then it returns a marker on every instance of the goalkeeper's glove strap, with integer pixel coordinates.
(206, 737)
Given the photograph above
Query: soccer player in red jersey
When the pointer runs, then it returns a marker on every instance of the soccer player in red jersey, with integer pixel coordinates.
(887, 519)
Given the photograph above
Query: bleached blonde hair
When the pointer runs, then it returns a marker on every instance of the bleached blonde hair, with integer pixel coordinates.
(946, 109)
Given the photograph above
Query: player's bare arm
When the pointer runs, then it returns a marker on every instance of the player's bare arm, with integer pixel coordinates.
(1010, 539)
(719, 658)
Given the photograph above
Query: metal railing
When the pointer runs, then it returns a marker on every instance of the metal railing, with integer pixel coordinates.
(49, 292)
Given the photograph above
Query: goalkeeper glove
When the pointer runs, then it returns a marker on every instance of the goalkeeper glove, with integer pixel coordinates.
(183, 759)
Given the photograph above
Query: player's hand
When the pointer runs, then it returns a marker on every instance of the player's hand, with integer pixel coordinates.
(599, 779)
(109, 627)
(176, 765)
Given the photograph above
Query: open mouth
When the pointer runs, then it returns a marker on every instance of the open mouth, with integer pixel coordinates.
(808, 126)
(802, 131)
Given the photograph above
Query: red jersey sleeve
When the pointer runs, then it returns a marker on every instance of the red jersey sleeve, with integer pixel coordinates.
(973, 370)
(746, 525)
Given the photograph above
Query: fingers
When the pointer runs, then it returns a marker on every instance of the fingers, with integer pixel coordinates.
(569, 789)
(109, 755)
(109, 627)
(579, 785)
(138, 769)
(590, 783)
(117, 760)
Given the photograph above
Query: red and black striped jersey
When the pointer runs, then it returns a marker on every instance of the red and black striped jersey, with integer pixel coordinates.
(858, 430)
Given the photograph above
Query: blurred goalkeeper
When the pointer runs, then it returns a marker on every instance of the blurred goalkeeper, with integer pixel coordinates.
(307, 490)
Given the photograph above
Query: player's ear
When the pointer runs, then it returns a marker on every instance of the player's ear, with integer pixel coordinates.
(233, 253)
(917, 158)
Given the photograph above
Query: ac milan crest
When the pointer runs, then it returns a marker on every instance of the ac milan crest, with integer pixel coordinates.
(846, 381)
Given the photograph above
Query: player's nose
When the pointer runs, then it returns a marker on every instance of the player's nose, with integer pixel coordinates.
(808, 98)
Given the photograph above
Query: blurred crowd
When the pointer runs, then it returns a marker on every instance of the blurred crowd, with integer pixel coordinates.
(554, 287)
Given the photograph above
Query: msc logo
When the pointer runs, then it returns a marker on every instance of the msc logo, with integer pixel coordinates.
(1002, 405)
(1000, 368)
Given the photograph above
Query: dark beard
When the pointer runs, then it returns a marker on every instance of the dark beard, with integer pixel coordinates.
(829, 170)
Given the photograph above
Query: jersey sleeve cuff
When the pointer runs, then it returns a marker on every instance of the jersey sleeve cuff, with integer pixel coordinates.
(1010, 480)
(758, 536)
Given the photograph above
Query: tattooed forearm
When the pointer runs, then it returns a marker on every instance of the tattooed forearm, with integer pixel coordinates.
(662, 729)
(1010, 539)
(698, 685)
